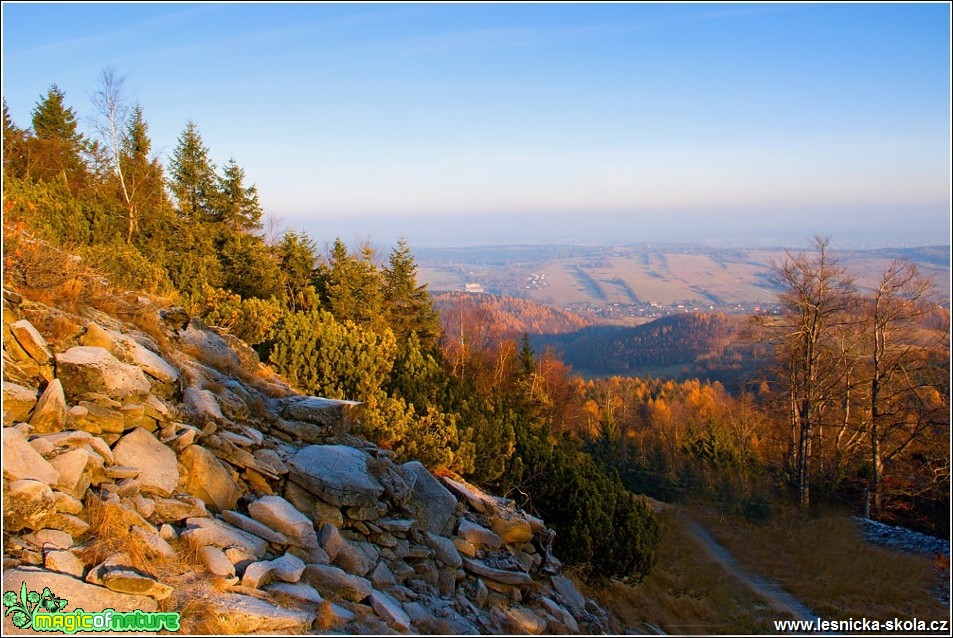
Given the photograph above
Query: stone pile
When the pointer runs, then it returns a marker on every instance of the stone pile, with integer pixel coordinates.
(294, 523)
(903, 539)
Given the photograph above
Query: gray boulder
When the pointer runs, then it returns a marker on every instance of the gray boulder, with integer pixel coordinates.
(390, 610)
(254, 527)
(202, 404)
(478, 535)
(333, 582)
(216, 561)
(21, 461)
(211, 531)
(318, 410)
(297, 591)
(337, 474)
(283, 517)
(250, 615)
(208, 479)
(431, 503)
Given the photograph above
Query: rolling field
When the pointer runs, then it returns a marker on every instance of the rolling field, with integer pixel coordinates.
(648, 281)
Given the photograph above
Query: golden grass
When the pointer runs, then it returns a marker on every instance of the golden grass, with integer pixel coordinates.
(193, 587)
(685, 593)
(822, 559)
(198, 613)
(46, 274)
(325, 618)
(109, 534)
(59, 330)
(147, 319)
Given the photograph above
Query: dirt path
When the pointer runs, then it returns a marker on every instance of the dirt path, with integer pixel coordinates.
(771, 592)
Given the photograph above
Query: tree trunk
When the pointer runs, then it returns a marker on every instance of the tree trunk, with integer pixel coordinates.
(804, 456)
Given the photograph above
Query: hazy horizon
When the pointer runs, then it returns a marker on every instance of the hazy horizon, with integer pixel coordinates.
(501, 123)
(920, 228)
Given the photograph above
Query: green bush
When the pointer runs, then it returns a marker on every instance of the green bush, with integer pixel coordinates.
(329, 358)
(600, 525)
(431, 437)
(127, 267)
(251, 320)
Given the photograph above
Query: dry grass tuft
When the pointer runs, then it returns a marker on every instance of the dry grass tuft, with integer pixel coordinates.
(198, 612)
(49, 275)
(325, 618)
(109, 534)
(147, 319)
(193, 588)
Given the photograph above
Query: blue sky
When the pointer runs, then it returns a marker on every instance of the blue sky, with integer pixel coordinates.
(682, 120)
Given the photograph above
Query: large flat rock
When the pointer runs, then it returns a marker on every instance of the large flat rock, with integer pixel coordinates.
(283, 517)
(337, 474)
(93, 370)
(333, 582)
(317, 410)
(247, 614)
(157, 464)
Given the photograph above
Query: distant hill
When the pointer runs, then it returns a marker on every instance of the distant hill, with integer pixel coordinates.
(506, 317)
(691, 344)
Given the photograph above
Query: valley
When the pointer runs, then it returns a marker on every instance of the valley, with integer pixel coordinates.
(637, 283)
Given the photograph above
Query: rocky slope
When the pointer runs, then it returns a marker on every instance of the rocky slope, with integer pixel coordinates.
(159, 466)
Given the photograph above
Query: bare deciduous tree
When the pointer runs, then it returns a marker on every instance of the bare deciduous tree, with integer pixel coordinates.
(816, 298)
(894, 313)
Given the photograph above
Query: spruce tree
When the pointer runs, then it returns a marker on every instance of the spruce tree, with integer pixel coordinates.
(236, 205)
(350, 286)
(192, 176)
(14, 141)
(52, 119)
(408, 305)
(58, 145)
(297, 257)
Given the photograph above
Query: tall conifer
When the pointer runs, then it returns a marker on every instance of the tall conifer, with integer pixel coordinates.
(192, 175)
